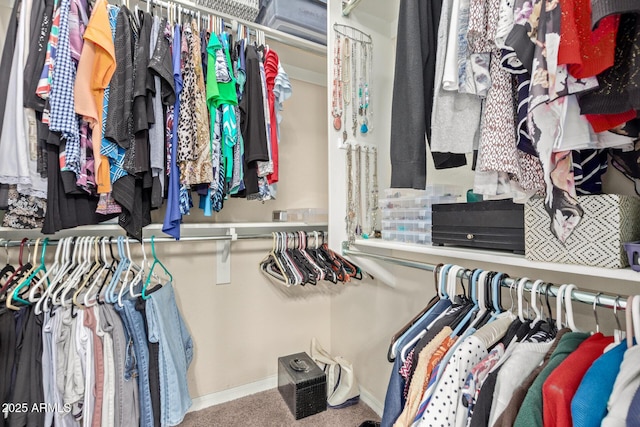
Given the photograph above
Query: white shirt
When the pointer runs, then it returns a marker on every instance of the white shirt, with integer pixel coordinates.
(627, 382)
(523, 360)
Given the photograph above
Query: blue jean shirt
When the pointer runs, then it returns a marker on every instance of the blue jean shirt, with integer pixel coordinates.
(167, 328)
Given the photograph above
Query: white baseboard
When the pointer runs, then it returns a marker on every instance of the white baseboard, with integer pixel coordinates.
(208, 400)
(371, 401)
(265, 384)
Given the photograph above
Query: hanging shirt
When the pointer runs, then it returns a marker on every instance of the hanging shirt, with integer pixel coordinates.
(626, 385)
(44, 85)
(17, 164)
(63, 117)
(561, 385)
(194, 152)
(96, 67)
(172, 218)
(252, 122)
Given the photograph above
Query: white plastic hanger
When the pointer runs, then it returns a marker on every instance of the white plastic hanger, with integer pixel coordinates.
(559, 306)
(629, 317)
(59, 281)
(521, 283)
(535, 294)
(59, 264)
(635, 314)
(84, 261)
(568, 307)
(98, 277)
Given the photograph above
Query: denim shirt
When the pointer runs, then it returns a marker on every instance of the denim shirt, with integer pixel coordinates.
(167, 328)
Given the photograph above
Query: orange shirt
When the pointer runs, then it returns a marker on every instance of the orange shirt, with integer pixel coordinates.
(95, 69)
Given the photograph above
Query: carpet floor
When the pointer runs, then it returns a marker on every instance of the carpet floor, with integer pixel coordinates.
(268, 409)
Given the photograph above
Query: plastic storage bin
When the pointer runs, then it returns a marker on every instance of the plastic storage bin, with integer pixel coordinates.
(308, 215)
(406, 225)
(409, 213)
(302, 18)
(420, 238)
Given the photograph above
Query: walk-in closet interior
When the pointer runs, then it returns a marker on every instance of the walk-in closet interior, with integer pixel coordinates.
(218, 270)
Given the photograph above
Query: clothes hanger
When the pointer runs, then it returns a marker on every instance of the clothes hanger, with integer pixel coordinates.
(559, 306)
(83, 263)
(17, 271)
(596, 301)
(156, 262)
(94, 274)
(521, 284)
(629, 322)
(86, 301)
(93, 268)
(128, 276)
(445, 277)
(8, 268)
(400, 334)
(40, 269)
(85, 271)
(635, 315)
(60, 263)
(140, 276)
(67, 274)
(466, 321)
(17, 284)
(51, 272)
(271, 261)
(115, 278)
(535, 294)
(568, 307)
(113, 267)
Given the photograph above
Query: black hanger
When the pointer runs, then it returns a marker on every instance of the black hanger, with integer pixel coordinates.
(110, 271)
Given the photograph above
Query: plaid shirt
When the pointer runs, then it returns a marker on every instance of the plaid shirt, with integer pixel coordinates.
(63, 117)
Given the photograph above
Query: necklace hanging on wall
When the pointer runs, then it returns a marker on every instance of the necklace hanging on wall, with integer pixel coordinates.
(374, 193)
(355, 73)
(346, 80)
(351, 213)
(336, 110)
(363, 89)
(358, 193)
(354, 83)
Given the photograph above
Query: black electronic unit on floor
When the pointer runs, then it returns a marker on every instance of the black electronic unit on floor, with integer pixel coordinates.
(492, 224)
(302, 384)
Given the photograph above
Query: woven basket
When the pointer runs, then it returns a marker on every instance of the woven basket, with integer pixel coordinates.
(242, 9)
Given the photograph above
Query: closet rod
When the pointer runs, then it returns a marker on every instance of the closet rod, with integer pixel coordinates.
(601, 299)
(31, 242)
(274, 35)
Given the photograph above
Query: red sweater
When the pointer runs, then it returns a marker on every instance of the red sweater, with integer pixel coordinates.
(586, 52)
(561, 385)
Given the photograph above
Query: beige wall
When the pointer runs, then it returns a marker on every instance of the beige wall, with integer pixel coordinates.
(240, 329)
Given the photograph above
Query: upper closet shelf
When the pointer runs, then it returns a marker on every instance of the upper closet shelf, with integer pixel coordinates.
(502, 258)
(270, 33)
(187, 230)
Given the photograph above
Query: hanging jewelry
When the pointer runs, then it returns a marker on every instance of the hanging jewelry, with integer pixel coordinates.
(354, 83)
(358, 195)
(374, 192)
(336, 111)
(346, 80)
(367, 195)
(364, 90)
(351, 214)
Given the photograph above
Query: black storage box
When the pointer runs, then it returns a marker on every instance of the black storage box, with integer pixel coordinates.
(493, 224)
(302, 384)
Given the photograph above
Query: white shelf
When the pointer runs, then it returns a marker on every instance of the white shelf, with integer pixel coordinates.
(497, 257)
(186, 230)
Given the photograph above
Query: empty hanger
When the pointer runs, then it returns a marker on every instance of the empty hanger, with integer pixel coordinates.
(156, 262)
